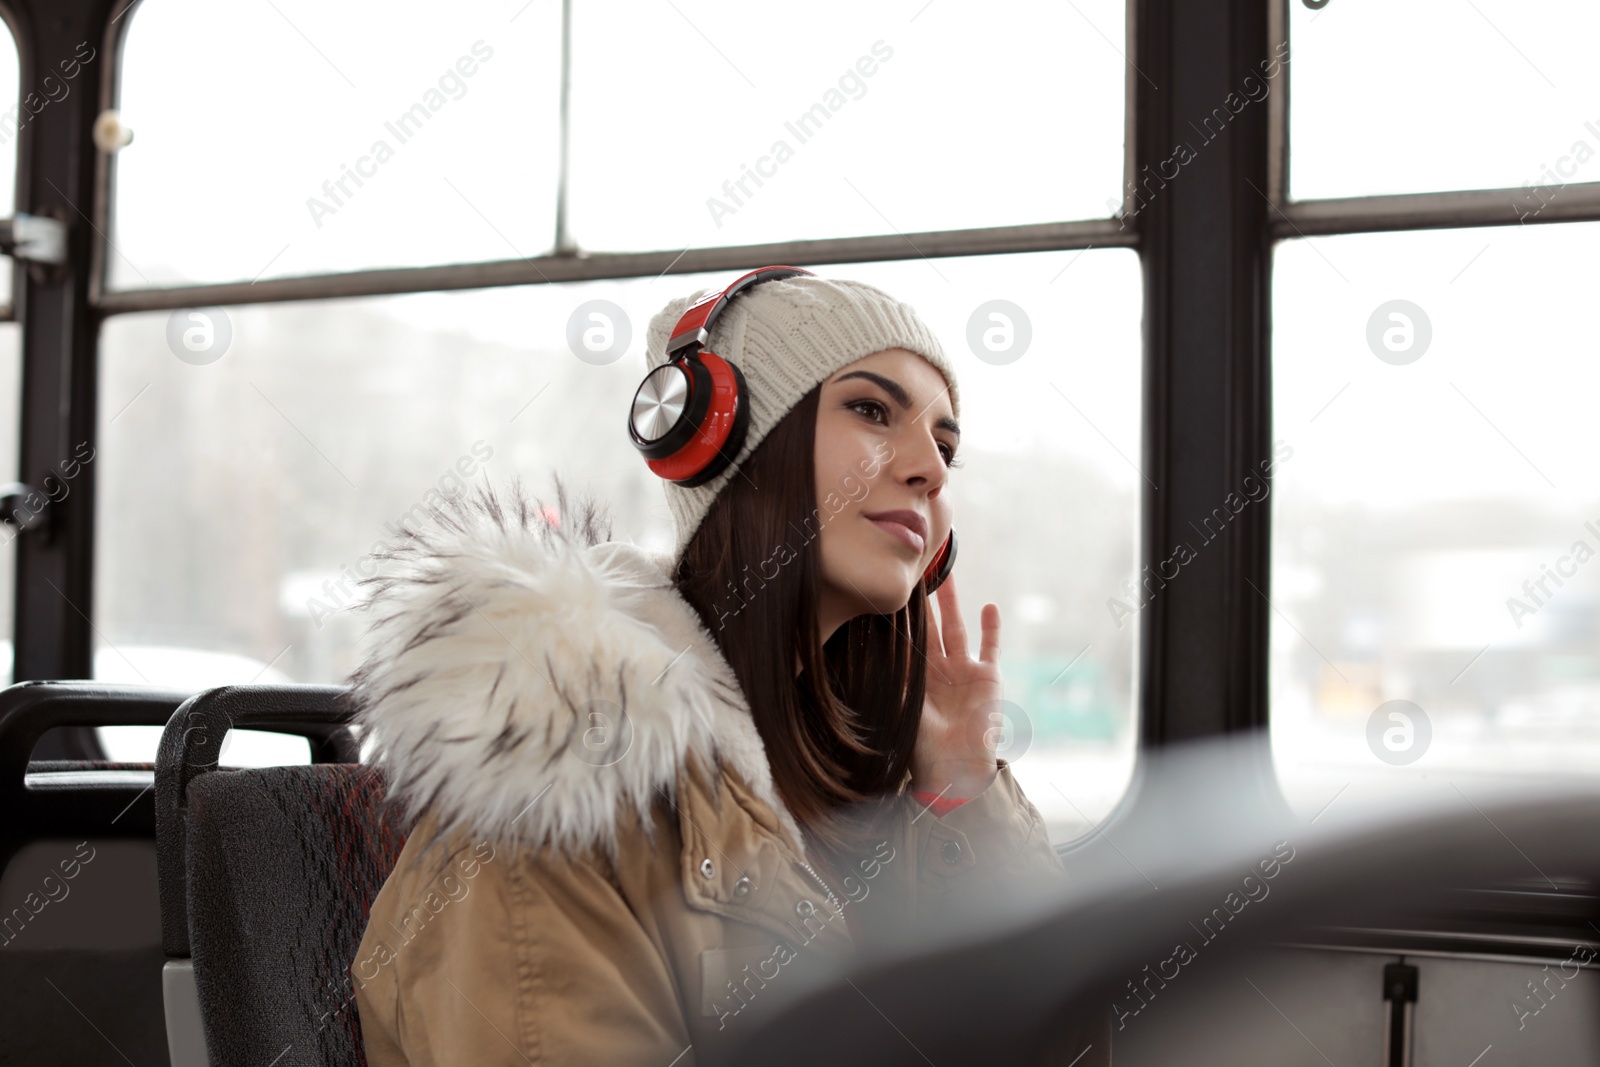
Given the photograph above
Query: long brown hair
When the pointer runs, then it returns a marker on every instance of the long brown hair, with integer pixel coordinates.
(839, 738)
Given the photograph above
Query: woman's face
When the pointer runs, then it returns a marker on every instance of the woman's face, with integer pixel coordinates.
(885, 436)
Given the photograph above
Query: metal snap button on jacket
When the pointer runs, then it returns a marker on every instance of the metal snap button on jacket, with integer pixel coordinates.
(805, 909)
(708, 868)
(951, 851)
(742, 887)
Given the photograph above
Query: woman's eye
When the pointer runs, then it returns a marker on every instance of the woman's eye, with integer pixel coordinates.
(879, 412)
(870, 404)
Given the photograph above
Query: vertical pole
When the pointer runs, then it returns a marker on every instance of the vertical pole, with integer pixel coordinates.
(55, 563)
(565, 245)
(1199, 198)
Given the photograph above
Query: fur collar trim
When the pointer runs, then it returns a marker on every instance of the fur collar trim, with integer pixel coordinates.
(534, 684)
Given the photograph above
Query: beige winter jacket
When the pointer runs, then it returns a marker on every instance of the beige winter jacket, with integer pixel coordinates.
(610, 886)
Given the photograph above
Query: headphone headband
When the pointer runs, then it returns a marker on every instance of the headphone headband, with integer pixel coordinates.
(694, 326)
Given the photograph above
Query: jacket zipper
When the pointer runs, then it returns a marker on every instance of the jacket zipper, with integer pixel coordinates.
(833, 900)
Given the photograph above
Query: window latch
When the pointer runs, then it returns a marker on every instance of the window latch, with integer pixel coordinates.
(34, 238)
(1400, 990)
(16, 509)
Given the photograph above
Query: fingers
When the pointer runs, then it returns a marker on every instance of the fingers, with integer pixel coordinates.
(953, 633)
(989, 649)
(951, 628)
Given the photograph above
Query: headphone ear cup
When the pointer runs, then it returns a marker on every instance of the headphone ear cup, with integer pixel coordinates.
(709, 431)
(941, 565)
(723, 457)
(685, 383)
(707, 392)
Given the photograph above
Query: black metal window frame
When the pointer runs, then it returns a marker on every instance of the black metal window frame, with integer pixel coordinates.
(1205, 241)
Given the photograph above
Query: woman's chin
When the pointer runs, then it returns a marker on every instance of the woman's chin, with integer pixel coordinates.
(885, 590)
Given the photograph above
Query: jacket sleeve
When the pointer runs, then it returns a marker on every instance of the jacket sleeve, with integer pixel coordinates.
(977, 858)
(543, 963)
(941, 806)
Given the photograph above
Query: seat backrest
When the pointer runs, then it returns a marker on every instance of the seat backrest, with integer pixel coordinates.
(283, 865)
(191, 746)
(79, 922)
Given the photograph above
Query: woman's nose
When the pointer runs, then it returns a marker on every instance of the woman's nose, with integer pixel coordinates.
(924, 463)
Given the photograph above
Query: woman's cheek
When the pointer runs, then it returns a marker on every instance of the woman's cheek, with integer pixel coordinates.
(943, 518)
(831, 464)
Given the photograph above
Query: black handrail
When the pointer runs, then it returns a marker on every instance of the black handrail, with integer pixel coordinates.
(28, 710)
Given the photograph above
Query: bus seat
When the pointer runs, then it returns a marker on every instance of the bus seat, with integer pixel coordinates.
(271, 826)
(283, 866)
(80, 938)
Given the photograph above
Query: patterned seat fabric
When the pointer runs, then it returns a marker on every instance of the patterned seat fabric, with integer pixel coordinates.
(283, 865)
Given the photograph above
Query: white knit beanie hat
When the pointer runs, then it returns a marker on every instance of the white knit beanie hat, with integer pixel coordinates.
(786, 337)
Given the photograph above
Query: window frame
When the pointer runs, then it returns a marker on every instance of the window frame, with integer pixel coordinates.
(565, 263)
(1205, 245)
(8, 305)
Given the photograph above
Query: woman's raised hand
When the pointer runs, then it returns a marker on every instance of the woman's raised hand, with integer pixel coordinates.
(961, 721)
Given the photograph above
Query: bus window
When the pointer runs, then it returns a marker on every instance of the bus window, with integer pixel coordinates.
(852, 120)
(1498, 96)
(1435, 529)
(335, 141)
(243, 497)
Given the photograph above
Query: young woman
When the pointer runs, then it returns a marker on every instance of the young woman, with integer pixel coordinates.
(656, 794)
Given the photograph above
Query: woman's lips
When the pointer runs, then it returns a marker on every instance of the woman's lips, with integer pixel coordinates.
(900, 532)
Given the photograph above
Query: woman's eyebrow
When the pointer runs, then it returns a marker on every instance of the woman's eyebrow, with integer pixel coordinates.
(901, 397)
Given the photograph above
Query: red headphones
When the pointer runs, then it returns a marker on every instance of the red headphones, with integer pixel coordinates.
(689, 416)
